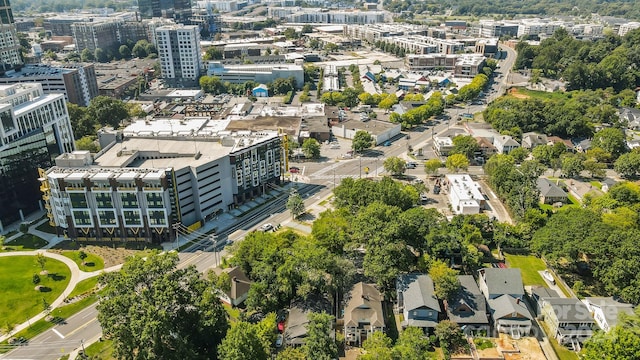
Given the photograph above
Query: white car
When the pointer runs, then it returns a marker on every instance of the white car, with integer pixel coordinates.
(424, 197)
(279, 340)
(266, 227)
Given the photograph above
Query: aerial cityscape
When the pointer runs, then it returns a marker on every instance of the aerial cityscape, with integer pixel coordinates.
(319, 179)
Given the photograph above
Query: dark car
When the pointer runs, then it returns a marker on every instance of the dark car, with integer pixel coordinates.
(294, 169)
(436, 189)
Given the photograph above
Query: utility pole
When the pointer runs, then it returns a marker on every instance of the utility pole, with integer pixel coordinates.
(176, 227)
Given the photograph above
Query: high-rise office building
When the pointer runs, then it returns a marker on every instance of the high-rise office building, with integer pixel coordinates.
(179, 52)
(179, 10)
(34, 129)
(9, 44)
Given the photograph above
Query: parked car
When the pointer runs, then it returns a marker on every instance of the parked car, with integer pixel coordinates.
(294, 169)
(436, 189)
(279, 340)
(424, 197)
(387, 143)
(417, 181)
(411, 165)
(266, 227)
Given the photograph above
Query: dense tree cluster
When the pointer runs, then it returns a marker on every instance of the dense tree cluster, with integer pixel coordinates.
(509, 9)
(215, 85)
(152, 309)
(571, 116)
(434, 106)
(620, 343)
(599, 64)
(102, 111)
(411, 345)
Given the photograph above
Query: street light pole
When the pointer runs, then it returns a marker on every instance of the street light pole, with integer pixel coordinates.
(176, 226)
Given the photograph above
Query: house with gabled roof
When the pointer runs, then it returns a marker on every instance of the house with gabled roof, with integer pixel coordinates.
(363, 314)
(504, 144)
(468, 307)
(569, 320)
(238, 288)
(495, 282)
(417, 301)
(550, 193)
(510, 316)
(606, 311)
(532, 139)
(295, 333)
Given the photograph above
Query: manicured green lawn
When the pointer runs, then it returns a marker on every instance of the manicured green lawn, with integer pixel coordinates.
(84, 286)
(19, 300)
(25, 242)
(93, 262)
(529, 266)
(100, 350)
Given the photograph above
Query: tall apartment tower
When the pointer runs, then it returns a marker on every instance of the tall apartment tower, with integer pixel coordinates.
(179, 52)
(9, 44)
(179, 10)
(34, 129)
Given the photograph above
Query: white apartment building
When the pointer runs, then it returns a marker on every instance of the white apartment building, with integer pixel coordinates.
(539, 27)
(464, 194)
(625, 28)
(179, 52)
(25, 108)
(324, 16)
(154, 174)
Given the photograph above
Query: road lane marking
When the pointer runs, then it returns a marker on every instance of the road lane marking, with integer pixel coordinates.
(58, 333)
(81, 326)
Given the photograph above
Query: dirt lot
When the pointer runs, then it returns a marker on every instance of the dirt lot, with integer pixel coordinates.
(528, 346)
(110, 253)
(514, 92)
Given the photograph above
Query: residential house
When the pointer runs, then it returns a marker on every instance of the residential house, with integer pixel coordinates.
(494, 282)
(550, 193)
(630, 116)
(260, 91)
(538, 295)
(607, 183)
(510, 316)
(486, 147)
(363, 314)
(505, 144)
(295, 332)
(417, 301)
(606, 310)
(569, 320)
(239, 285)
(583, 145)
(568, 145)
(531, 139)
(468, 307)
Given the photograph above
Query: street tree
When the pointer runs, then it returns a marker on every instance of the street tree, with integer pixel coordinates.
(594, 168)
(152, 309)
(628, 165)
(331, 230)
(395, 165)
(106, 110)
(457, 162)
(291, 353)
(242, 343)
(124, 51)
(519, 154)
(465, 145)
(295, 204)
(445, 279)
(431, 166)
(319, 345)
(378, 346)
(311, 148)
(362, 140)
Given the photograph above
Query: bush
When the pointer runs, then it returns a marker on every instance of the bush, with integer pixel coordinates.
(35, 279)
(288, 98)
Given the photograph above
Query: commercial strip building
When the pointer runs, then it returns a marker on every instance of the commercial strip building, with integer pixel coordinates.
(463, 65)
(154, 174)
(464, 194)
(34, 129)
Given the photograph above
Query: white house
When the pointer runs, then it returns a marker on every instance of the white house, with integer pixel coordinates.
(464, 194)
(505, 144)
(605, 310)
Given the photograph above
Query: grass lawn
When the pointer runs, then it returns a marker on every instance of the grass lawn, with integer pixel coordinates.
(571, 203)
(92, 262)
(562, 352)
(529, 266)
(84, 286)
(100, 350)
(25, 242)
(596, 184)
(19, 300)
(542, 94)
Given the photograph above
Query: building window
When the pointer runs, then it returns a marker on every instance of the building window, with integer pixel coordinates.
(132, 217)
(155, 200)
(103, 200)
(82, 218)
(129, 200)
(107, 218)
(78, 200)
(157, 218)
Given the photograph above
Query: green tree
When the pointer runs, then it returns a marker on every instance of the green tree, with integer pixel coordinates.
(445, 279)
(291, 353)
(450, 336)
(611, 140)
(594, 168)
(101, 55)
(319, 344)
(150, 309)
(124, 51)
(572, 165)
(628, 165)
(295, 204)
(412, 344)
(242, 343)
(107, 111)
(331, 230)
(620, 343)
(465, 145)
(457, 162)
(87, 55)
(307, 28)
(213, 53)
(87, 142)
(290, 33)
(41, 260)
(139, 50)
(395, 165)
(431, 166)
(362, 140)
(311, 148)
(388, 102)
(519, 154)
(377, 347)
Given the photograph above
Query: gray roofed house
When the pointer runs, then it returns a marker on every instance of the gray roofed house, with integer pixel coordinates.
(531, 139)
(550, 193)
(363, 314)
(569, 320)
(295, 332)
(510, 316)
(607, 183)
(606, 310)
(494, 282)
(505, 144)
(468, 307)
(539, 294)
(417, 300)
(631, 116)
